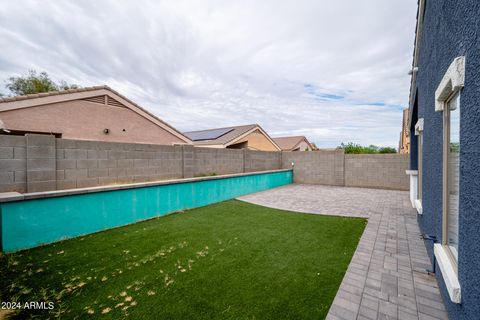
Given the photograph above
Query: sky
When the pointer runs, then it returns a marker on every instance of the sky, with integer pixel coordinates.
(334, 71)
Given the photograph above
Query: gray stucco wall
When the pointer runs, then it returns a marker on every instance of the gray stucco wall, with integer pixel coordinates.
(452, 29)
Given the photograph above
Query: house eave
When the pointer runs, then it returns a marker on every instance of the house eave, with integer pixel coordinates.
(416, 52)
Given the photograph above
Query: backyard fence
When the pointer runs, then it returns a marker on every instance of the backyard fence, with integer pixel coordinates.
(384, 171)
(35, 163)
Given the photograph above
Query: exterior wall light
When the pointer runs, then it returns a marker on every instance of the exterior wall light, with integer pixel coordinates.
(3, 127)
(414, 70)
(106, 131)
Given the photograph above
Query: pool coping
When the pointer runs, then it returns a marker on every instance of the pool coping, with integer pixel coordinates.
(16, 196)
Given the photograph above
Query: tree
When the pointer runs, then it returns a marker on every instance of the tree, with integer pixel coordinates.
(351, 147)
(35, 83)
(387, 150)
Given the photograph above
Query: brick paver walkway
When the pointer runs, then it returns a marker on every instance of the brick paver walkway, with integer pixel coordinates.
(386, 278)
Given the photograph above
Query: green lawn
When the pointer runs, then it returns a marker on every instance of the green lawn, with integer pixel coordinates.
(231, 260)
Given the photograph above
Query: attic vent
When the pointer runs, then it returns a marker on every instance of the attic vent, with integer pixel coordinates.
(114, 103)
(97, 99)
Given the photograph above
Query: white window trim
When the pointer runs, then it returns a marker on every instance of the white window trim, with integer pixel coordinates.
(417, 203)
(419, 127)
(418, 206)
(413, 185)
(452, 81)
(448, 272)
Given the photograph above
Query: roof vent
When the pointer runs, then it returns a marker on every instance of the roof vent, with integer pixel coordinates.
(97, 99)
(114, 103)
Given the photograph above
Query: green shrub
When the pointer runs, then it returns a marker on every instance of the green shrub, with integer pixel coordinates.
(354, 148)
(387, 150)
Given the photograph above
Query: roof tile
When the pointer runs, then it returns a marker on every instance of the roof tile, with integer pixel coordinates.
(289, 143)
(69, 91)
(226, 138)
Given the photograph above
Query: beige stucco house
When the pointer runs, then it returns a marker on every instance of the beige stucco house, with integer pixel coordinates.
(94, 113)
(293, 143)
(250, 136)
(404, 144)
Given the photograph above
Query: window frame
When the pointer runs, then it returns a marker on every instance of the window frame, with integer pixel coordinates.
(420, 166)
(419, 134)
(445, 189)
(452, 82)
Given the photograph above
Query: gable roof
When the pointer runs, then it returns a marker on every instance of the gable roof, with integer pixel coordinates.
(290, 143)
(39, 99)
(230, 135)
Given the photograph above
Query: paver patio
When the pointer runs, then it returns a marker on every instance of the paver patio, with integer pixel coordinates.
(386, 278)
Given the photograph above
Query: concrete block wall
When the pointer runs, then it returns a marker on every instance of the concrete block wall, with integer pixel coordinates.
(41, 163)
(188, 161)
(319, 167)
(386, 171)
(262, 160)
(94, 163)
(34, 163)
(208, 161)
(13, 164)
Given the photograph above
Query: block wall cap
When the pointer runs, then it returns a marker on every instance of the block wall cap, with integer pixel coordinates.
(15, 196)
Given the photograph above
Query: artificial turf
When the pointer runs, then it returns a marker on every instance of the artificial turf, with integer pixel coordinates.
(231, 260)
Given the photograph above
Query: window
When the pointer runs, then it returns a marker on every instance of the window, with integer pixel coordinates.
(451, 174)
(447, 99)
(420, 164)
(419, 134)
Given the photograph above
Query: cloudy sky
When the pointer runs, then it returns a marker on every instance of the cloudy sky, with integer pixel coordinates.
(331, 70)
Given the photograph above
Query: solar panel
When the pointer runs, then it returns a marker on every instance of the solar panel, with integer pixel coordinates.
(209, 134)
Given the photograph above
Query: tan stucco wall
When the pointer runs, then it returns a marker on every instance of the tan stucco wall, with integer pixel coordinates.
(85, 120)
(303, 145)
(257, 141)
(404, 145)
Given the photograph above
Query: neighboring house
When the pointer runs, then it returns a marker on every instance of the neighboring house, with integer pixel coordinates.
(95, 113)
(251, 137)
(404, 144)
(294, 143)
(444, 121)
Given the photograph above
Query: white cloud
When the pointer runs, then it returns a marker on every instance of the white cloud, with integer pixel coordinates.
(201, 64)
